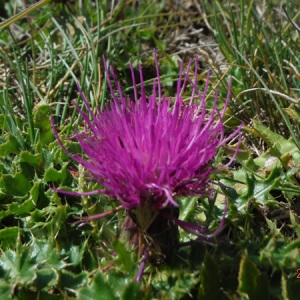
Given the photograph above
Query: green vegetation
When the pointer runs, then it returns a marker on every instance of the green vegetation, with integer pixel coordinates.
(44, 253)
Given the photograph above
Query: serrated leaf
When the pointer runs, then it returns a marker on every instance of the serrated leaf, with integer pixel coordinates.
(53, 175)
(97, 288)
(132, 291)
(281, 254)
(261, 188)
(17, 185)
(279, 146)
(210, 280)
(57, 221)
(46, 137)
(41, 119)
(34, 192)
(72, 281)
(257, 189)
(275, 169)
(40, 160)
(46, 254)
(252, 283)
(21, 209)
(45, 277)
(41, 115)
(20, 266)
(32, 159)
(49, 157)
(274, 140)
(187, 207)
(8, 237)
(6, 291)
(9, 233)
(118, 281)
(75, 254)
(290, 286)
(10, 146)
(124, 255)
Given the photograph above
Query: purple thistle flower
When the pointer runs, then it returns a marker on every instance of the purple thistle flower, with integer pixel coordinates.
(149, 151)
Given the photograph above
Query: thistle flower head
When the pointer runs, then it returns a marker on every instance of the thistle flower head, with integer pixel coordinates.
(147, 152)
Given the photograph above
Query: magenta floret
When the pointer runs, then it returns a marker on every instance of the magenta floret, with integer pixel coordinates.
(152, 149)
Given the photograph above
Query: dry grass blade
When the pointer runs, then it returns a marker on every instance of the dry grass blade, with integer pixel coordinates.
(22, 14)
(292, 22)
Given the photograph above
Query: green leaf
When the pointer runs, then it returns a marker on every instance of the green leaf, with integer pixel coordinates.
(132, 291)
(25, 294)
(35, 192)
(32, 159)
(210, 280)
(261, 188)
(58, 220)
(6, 291)
(41, 115)
(9, 233)
(41, 121)
(76, 254)
(8, 237)
(21, 209)
(20, 266)
(290, 285)
(17, 185)
(124, 255)
(10, 146)
(46, 254)
(72, 281)
(46, 137)
(279, 146)
(53, 175)
(254, 189)
(252, 283)
(97, 288)
(187, 207)
(118, 281)
(45, 277)
(41, 159)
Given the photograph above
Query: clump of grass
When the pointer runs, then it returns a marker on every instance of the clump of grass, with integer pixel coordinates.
(261, 44)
